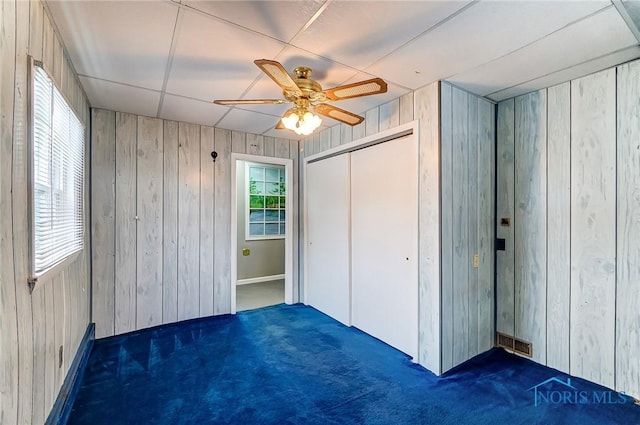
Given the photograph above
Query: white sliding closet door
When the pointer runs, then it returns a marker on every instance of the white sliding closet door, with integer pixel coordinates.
(328, 264)
(384, 232)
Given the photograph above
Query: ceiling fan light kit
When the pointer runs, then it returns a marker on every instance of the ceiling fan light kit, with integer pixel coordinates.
(301, 120)
(307, 96)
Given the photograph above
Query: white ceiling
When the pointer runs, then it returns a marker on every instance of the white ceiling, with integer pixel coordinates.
(171, 59)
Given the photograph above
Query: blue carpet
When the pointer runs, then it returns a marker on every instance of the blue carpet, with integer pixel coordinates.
(294, 365)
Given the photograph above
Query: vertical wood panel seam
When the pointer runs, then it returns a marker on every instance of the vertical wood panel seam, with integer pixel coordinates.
(478, 165)
(476, 248)
(177, 232)
(162, 257)
(113, 184)
(615, 218)
(135, 262)
(213, 230)
(496, 202)
(478, 225)
(199, 150)
(198, 153)
(469, 220)
(442, 245)
(115, 210)
(546, 232)
(570, 215)
(441, 326)
(473, 218)
(451, 245)
(89, 212)
(513, 212)
(162, 249)
(440, 207)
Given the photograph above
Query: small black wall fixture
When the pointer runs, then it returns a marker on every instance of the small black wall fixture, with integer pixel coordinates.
(214, 155)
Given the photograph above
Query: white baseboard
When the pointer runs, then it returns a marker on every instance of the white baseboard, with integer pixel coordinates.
(259, 279)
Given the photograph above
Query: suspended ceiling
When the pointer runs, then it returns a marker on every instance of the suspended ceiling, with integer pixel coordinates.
(171, 59)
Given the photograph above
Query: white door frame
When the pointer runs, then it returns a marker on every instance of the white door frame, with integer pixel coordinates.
(393, 133)
(288, 237)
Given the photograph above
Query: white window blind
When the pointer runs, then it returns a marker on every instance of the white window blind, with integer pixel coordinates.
(58, 176)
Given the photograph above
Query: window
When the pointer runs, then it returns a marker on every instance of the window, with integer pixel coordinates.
(266, 200)
(57, 204)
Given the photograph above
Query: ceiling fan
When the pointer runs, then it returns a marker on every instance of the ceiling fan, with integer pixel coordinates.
(307, 95)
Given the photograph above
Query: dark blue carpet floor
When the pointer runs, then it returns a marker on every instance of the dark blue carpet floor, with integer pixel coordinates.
(294, 365)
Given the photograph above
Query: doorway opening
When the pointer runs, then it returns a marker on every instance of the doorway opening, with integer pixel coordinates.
(261, 232)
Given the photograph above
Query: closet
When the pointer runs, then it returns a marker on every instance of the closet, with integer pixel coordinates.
(327, 248)
(362, 239)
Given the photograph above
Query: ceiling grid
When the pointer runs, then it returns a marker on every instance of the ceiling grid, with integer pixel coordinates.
(171, 59)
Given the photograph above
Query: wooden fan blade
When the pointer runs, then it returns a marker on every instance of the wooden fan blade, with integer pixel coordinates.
(249, 102)
(363, 88)
(278, 74)
(338, 114)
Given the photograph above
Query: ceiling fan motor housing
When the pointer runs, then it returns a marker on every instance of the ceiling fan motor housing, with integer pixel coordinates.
(311, 90)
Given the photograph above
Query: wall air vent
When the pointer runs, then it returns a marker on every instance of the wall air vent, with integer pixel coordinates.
(505, 341)
(513, 344)
(523, 347)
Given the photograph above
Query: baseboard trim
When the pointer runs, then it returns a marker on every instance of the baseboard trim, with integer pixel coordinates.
(61, 410)
(259, 279)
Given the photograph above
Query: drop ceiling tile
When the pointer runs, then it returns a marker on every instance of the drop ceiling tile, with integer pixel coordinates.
(481, 33)
(214, 60)
(359, 33)
(567, 74)
(247, 121)
(583, 41)
(178, 108)
(118, 97)
(125, 42)
(278, 19)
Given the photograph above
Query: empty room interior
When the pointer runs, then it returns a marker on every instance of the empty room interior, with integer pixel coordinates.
(171, 172)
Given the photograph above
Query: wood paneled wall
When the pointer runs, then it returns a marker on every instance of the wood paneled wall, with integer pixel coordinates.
(34, 326)
(467, 205)
(569, 176)
(530, 197)
(426, 110)
(457, 157)
(162, 217)
(627, 337)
